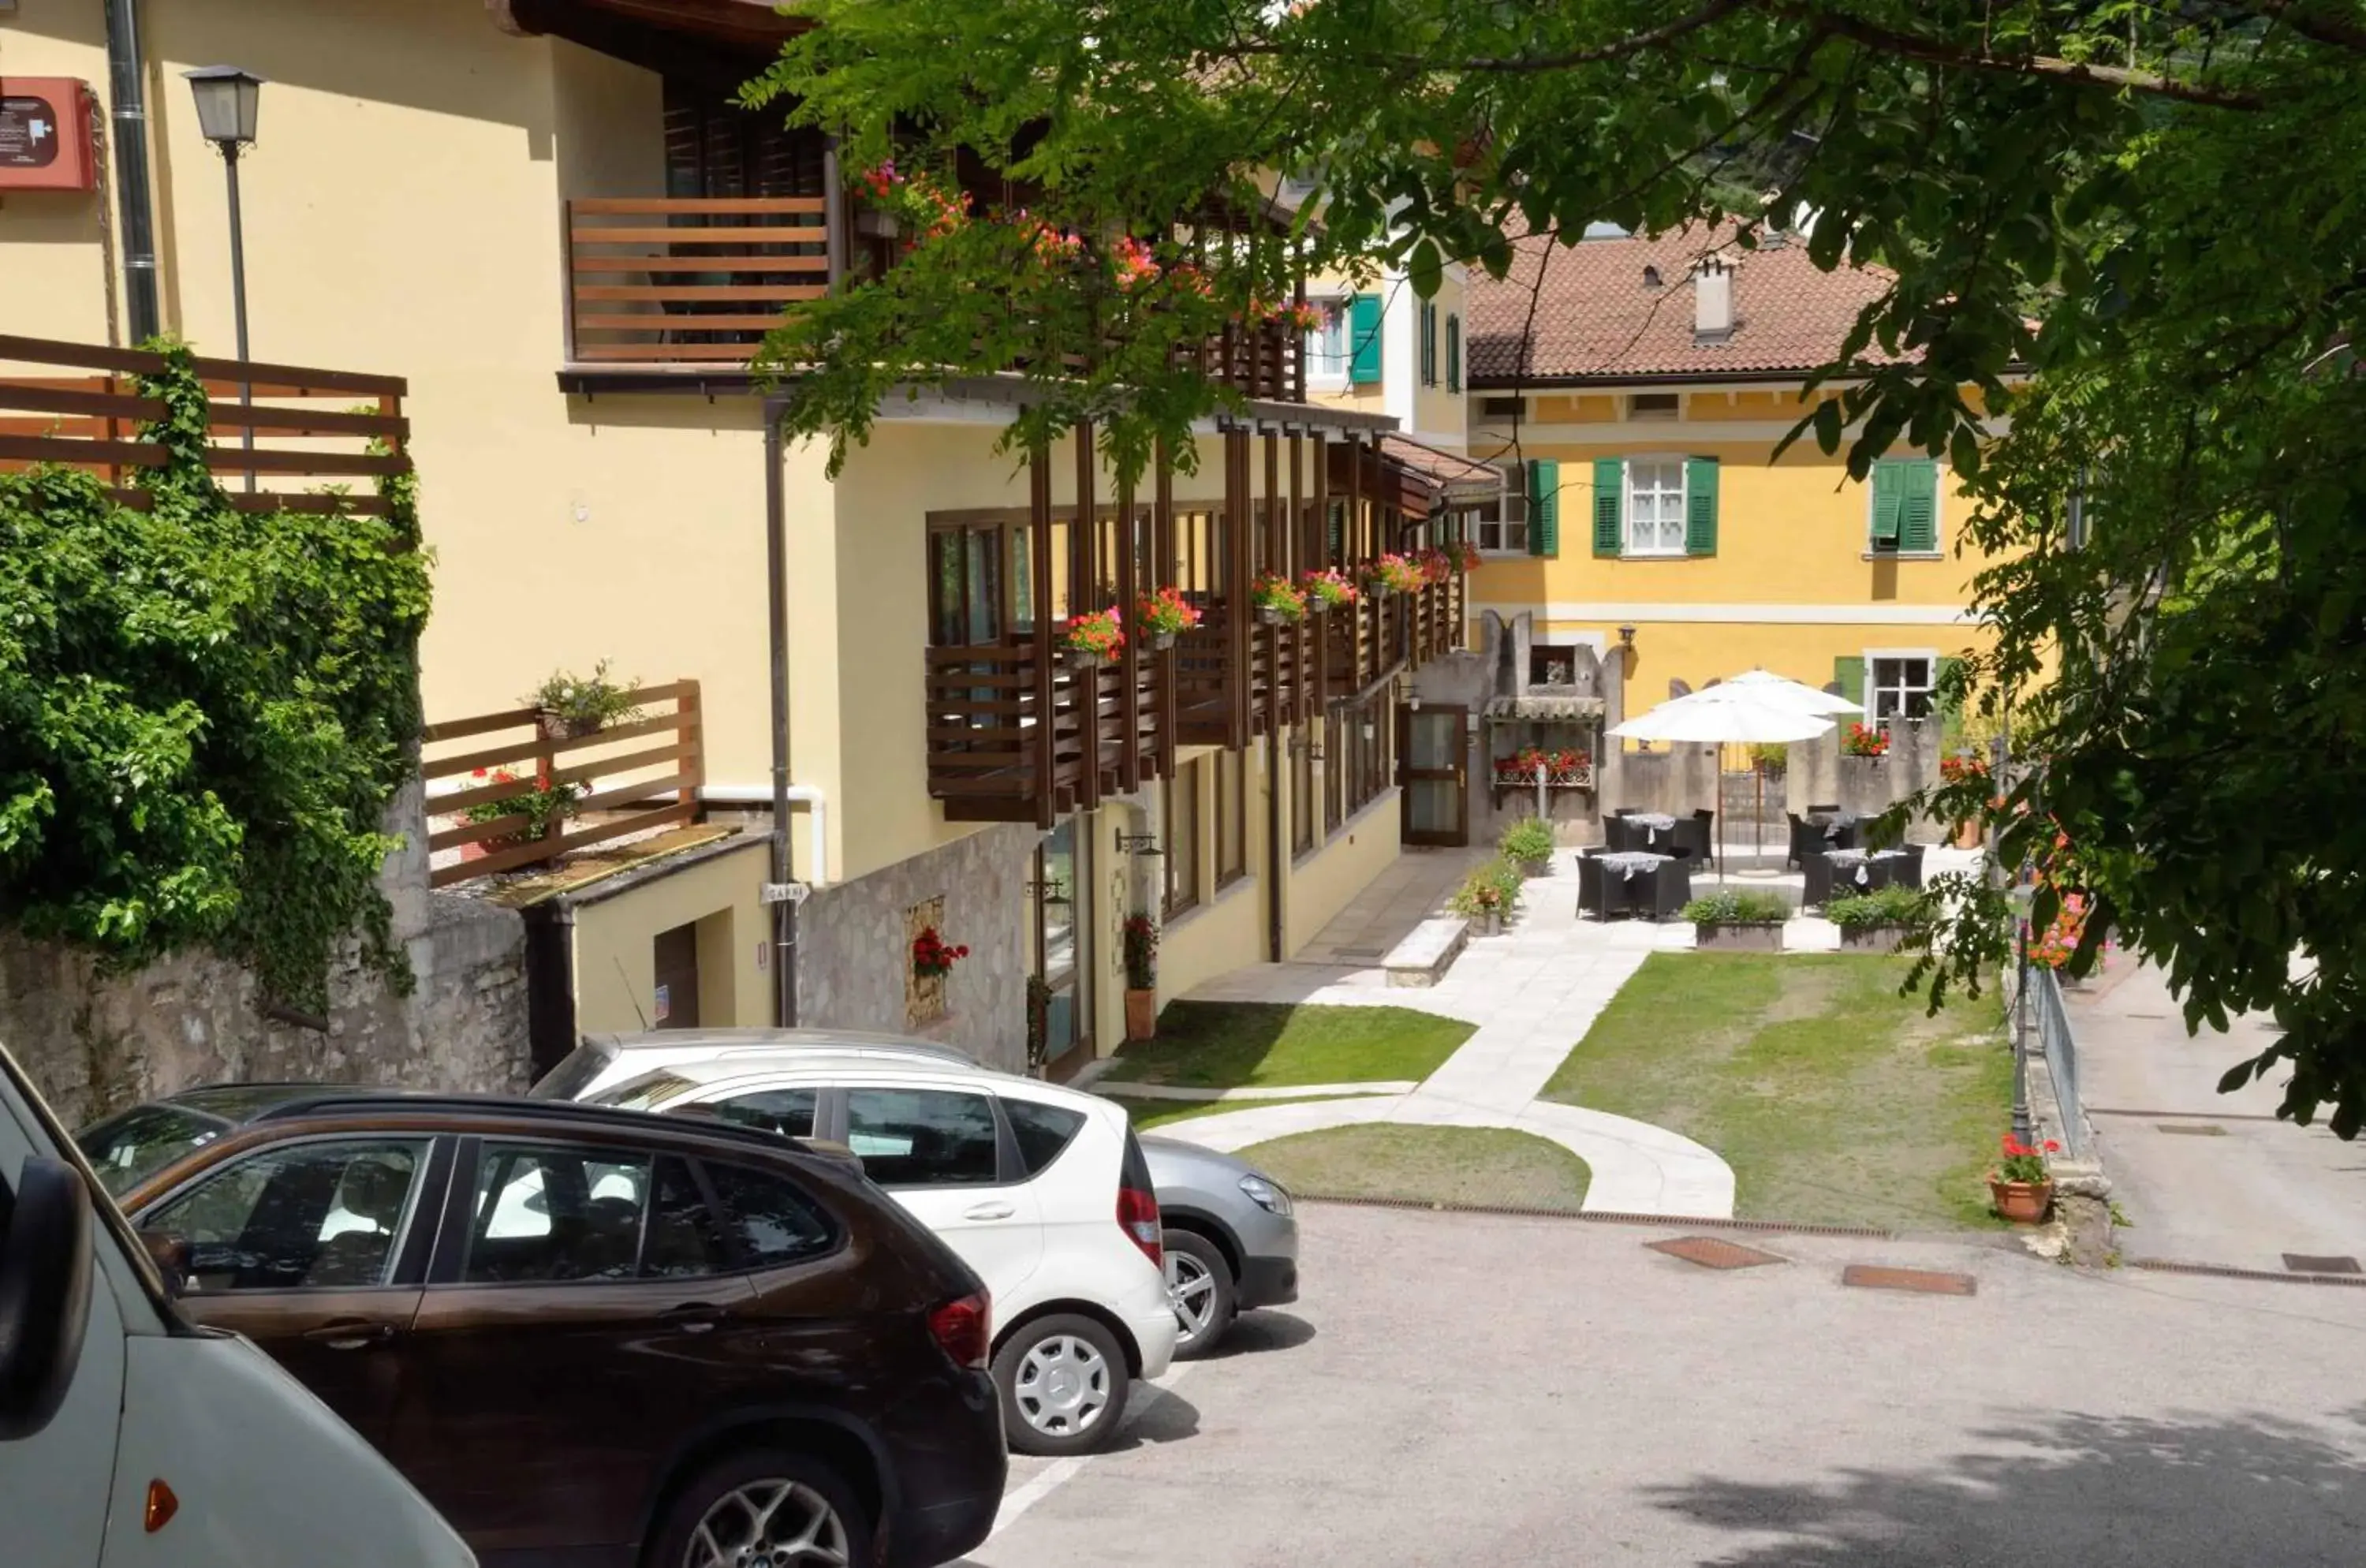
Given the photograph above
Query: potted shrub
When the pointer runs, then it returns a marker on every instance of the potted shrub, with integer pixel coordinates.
(1141, 977)
(1094, 639)
(1964, 769)
(1736, 920)
(570, 706)
(1528, 844)
(2020, 1185)
(1277, 600)
(545, 810)
(1488, 895)
(1327, 590)
(1165, 616)
(1880, 919)
(1393, 574)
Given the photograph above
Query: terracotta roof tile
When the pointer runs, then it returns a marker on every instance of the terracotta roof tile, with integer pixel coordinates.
(1597, 315)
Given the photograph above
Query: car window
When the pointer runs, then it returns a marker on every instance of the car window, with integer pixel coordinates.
(305, 1216)
(922, 1137)
(684, 1240)
(788, 1112)
(545, 1215)
(129, 1148)
(775, 1222)
(1043, 1131)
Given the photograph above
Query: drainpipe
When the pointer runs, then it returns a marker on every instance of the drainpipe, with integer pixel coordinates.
(807, 795)
(776, 591)
(1274, 853)
(127, 92)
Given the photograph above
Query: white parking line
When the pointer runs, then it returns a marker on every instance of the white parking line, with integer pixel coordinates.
(1060, 1471)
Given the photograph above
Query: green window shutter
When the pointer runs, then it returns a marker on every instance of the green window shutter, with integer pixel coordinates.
(1339, 541)
(1888, 497)
(1849, 673)
(1917, 511)
(1428, 344)
(1364, 340)
(1609, 482)
(1700, 507)
(1544, 507)
(1453, 353)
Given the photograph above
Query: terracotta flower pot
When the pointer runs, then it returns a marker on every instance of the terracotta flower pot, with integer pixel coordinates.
(1968, 835)
(1140, 1014)
(556, 726)
(2022, 1203)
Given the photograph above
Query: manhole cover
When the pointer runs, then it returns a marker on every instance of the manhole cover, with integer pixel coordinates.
(2191, 1129)
(1870, 1277)
(1711, 1252)
(2306, 1263)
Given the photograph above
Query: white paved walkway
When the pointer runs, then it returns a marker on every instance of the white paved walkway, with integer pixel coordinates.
(1533, 992)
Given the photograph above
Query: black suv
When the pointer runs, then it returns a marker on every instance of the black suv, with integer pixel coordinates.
(588, 1336)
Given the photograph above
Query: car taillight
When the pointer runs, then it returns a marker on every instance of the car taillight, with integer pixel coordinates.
(1137, 1215)
(961, 1330)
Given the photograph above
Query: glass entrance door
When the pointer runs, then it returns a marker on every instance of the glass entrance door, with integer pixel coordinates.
(1437, 796)
(1063, 927)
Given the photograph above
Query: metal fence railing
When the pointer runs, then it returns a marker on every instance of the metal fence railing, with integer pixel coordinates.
(2052, 1022)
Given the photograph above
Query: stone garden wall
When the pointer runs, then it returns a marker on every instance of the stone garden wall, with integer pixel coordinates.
(1816, 774)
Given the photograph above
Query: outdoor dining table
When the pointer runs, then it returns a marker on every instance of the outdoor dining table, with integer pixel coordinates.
(1629, 882)
(1856, 871)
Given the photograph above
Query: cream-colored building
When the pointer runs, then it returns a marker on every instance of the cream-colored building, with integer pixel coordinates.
(547, 216)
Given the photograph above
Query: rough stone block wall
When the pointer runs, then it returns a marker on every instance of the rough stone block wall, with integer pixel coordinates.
(854, 956)
(96, 1042)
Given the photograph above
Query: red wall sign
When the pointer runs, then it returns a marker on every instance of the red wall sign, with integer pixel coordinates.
(44, 134)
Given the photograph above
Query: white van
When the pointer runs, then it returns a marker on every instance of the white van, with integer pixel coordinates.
(128, 1437)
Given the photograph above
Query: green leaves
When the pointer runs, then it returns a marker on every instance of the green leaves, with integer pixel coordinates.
(203, 714)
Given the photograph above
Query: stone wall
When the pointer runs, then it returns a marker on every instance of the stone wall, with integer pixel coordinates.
(95, 1044)
(1816, 774)
(854, 958)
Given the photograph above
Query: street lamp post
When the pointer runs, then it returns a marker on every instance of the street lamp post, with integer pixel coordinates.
(227, 100)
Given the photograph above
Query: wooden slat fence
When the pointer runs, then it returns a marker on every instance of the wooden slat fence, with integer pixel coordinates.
(79, 405)
(631, 777)
(683, 280)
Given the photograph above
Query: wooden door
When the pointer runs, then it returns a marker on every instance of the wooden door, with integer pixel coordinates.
(1431, 767)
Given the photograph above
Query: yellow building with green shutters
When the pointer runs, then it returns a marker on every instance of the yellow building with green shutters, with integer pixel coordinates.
(1633, 392)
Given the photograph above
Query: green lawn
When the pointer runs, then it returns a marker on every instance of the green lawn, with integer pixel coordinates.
(1487, 1165)
(1151, 1113)
(1264, 1045)
(1835, 1099)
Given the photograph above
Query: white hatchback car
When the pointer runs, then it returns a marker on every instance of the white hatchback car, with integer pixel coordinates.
(1044, 1190)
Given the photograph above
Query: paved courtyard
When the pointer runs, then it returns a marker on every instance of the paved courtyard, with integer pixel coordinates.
(1459, 1389)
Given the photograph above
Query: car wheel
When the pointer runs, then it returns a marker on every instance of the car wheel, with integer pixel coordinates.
(1201, 1283)
(1063, 1385)
(768, 1507)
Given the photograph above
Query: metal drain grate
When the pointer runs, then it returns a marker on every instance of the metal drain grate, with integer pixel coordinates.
(1711, 1252)
(1925, 1281)
(2227, 1271)
(1598, 1216)
(2190, 1129)
(2320, 1263)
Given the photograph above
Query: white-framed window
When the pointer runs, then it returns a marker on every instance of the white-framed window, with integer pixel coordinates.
(1501, 527)
(1327, 344)
(1655, 506)
(1899, 682)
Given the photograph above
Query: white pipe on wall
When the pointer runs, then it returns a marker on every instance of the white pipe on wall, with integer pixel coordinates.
(807, 795)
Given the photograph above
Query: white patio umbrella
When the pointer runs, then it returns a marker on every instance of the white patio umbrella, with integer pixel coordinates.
(1720, 714)
(1781, 689)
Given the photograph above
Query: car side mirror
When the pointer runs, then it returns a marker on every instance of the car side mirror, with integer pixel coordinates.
(44, 1291)
(169, 1251)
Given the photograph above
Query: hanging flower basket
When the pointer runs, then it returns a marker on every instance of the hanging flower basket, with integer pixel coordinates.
(1164, 615)
(1094, 639)
(1277, 600)
(1327, 590)
(1393, 574)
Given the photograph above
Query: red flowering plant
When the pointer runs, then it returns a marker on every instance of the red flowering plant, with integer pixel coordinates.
(932, 956)
(2023, 1162)
(1278, 598)
(1523, 765)
(1167, 612)
(547, 806)
(1866, 741)
(1961, 770)
(1328, 589)
(1435, 566)
(1094, 634)
(1393, 573)
(1567, 764)
(1470, 555)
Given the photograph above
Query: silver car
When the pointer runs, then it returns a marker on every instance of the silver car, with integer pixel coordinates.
(1231, 1239)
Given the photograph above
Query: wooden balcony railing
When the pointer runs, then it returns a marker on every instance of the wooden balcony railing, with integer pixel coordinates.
(699, 279)
(988, 749)
(628, 778)
(313, 432)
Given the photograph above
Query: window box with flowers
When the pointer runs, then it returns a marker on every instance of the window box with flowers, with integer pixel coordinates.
(1328, 590)
(1393, 574)
(2021, 1186)
(1564, 768)
(1164, 616)
(1866, 741)
(1093, 638)
(1277, 600)
(1435, 566)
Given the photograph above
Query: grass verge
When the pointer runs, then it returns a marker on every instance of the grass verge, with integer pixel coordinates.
(1490, 1165)
(1835, 1099)
(1150, 1114)
(1272, 1045)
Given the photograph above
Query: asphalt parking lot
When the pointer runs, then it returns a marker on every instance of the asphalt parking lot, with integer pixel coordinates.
(1465, 1389)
